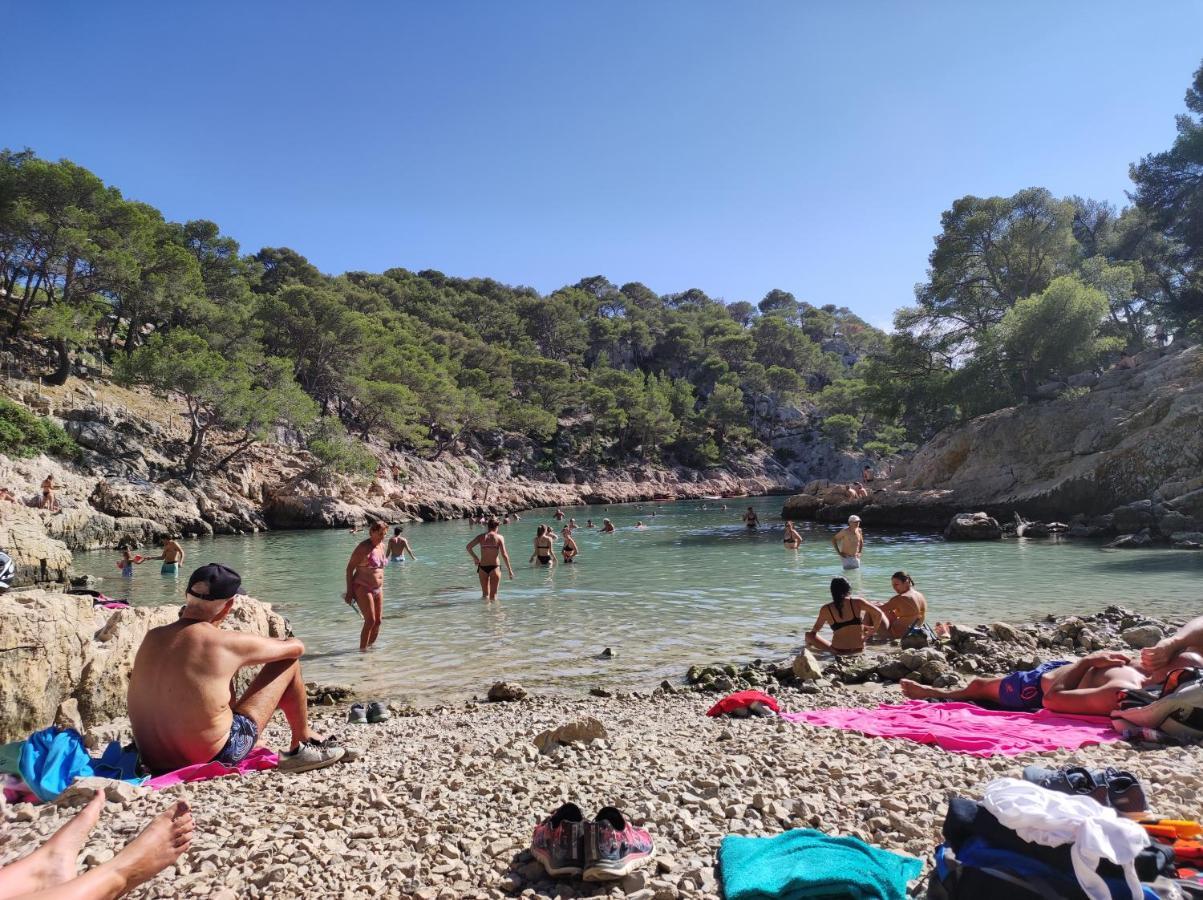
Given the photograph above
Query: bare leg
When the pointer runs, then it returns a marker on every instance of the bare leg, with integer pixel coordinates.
(377, 615)
(484, 583)
(365, 600)
(494, 583)
(278, 686)
(53, 862)
(977, 690)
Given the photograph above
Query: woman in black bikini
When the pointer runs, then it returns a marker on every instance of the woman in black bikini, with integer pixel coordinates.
(852, 621)
(570, 549)
(792, 538)
(544, 538)
(492, 545)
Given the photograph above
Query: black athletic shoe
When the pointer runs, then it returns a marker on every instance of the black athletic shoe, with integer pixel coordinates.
(1070, 780)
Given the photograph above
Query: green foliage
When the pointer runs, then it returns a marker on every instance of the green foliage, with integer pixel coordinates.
(841, 429)
(23, 435)
(337, 451)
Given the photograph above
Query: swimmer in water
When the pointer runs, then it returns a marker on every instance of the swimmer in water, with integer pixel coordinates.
(792, 539)
(544, 550)
(398, 546)
(365, 582)
(849, 543)
(128, 561)
(172, 556)
(559, 515)
(588, 523)
(607, 527)
(492, 546)
(570, 549)
(640, 524)
(750, 519)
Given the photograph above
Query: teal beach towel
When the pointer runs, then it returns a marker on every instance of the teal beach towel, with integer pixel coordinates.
(804, 864)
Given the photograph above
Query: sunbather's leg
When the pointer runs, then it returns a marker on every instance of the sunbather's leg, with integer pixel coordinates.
(976, 691)
(55, 861)
(278, 686)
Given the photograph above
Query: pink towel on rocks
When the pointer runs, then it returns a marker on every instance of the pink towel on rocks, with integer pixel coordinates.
(966, 728)
(258, 759)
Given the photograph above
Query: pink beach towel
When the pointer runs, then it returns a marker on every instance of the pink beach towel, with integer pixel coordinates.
(965, 728)
(258, 759)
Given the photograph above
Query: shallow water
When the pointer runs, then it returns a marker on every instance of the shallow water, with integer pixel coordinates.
(693, 586)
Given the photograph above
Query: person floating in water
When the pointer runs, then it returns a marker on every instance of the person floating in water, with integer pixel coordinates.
(640, 524)
(607, 527)
(365, 582)
(545, 538)
(492, 546)
(398, 546)
(849, 543)
(588, 523)
(906, 608)
(852, 620)
(559, 515)
(172, 556)
(750, 519)
(792, 539)
(570, 550)
(128, 561)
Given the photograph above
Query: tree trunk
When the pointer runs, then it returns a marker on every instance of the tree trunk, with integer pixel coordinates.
(131, 336)
(242, 445)
(196, 446)
(63, 367)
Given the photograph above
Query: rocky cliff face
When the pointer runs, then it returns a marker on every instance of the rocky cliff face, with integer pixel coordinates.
(1124, 457)
(60, 657)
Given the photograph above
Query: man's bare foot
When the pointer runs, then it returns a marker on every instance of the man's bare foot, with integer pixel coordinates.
(55, 861)
(160, 844)
(916, 691)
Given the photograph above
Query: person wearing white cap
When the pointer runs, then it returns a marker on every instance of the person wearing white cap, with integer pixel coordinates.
(849, 543)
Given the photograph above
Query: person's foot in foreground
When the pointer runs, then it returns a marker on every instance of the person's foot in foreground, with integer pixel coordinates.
(916, 691)
(50, 873)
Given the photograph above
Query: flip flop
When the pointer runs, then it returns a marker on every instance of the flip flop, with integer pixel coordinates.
(378, 712)
(358, 714)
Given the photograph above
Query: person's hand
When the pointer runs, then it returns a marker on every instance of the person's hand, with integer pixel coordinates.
(1108, 659)
(348, 598)
(1159, 655)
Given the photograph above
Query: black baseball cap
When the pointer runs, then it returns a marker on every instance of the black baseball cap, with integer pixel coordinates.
(214, 582)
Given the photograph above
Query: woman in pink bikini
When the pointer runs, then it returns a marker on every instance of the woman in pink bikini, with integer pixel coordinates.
(365, 582)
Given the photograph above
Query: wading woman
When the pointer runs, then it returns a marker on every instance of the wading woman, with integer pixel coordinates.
(365, 582)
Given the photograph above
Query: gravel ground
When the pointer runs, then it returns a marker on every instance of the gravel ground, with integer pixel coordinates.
(442, 804)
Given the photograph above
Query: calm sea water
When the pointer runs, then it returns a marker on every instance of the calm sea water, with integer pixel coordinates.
(693, 586)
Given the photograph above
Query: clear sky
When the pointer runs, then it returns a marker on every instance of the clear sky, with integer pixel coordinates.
(730, 146)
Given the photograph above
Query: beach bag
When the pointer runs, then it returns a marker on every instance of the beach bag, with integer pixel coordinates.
(1005, 876)
(1175, 708)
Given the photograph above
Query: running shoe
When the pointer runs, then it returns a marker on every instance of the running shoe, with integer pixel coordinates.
(309, 755)
(1070, 780)
(358, 714)
(559, 841)
(378, 712)
(1125, 792)
(613, 846)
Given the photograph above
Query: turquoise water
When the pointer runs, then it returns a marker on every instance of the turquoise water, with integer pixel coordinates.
(693, 586)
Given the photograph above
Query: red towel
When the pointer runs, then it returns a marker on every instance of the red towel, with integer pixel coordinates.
(741, 699)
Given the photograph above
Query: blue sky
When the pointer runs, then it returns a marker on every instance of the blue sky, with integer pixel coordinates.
(734, 147)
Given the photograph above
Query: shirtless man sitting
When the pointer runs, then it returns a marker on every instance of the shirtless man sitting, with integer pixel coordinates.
(1090, 686)
(907, 607)
(181, 703)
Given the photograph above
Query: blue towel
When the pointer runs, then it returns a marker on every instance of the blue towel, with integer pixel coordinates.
(804, 864)
(54, 757)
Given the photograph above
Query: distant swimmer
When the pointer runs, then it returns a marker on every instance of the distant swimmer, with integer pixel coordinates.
(365, 582)
(792, 538)
(559, 514)
(492, 546)
(588, 523)
(544, 550)
(640, 525)
(906, 608)
(607, 527)
(852, 620)
(750, 519)
(398, 546)
(572, 523)
(849, 543)
(570, 550)
(172, 556)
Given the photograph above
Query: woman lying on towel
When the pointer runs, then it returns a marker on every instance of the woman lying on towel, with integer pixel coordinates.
(852, 621)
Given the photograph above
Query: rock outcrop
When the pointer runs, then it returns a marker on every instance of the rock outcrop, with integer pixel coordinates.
(39, 558)
(975, 526)
(56, 647)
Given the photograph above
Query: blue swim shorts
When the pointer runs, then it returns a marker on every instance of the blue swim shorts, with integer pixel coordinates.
(243, 734)
(1022, 690)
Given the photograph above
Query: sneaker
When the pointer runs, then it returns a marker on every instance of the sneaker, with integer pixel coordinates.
(559, 841)
(1125, 792)
(1070, 780)
(613, 847)
(336, 742)
(310, 755)
(358, 714)
(378, 712)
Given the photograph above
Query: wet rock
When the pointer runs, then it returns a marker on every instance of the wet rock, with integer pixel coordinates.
(506, 692)
(1131, 541)
(973, 526)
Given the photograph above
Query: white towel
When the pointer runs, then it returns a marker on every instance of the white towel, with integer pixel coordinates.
(1051, 819)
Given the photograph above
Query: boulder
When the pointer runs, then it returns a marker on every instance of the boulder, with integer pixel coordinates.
(38, 557)
(506, 692)
(806, 667)
(169, 504)
(58, 648)
(975, 526)
(1140, 636)
(1001, 631)
(586, 729)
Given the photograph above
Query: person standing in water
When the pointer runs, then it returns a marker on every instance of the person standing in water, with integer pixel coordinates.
(792, 539)
(492, 545)
(906, 608)
(607, 527)
(544, 552)
(365, 582)
(852, 620)
(398, 546)
(750, 519)
(849, 543)
(128, 561)
(172, 556)
(570, 549)
(559, 515)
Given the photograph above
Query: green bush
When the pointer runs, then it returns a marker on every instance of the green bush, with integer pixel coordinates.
(841, 429)
(22, 434)
(338, 451)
